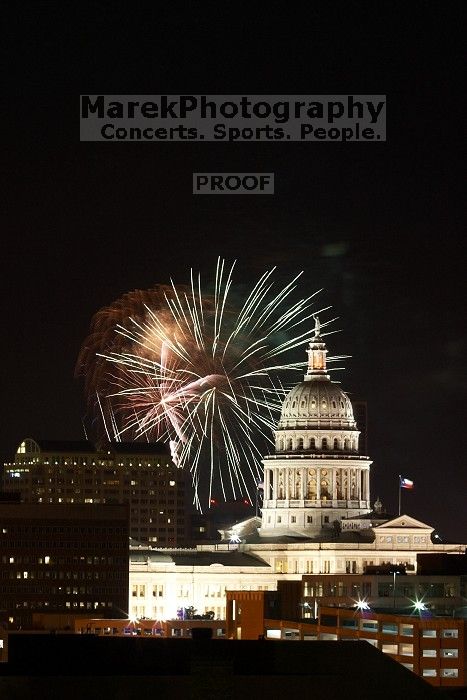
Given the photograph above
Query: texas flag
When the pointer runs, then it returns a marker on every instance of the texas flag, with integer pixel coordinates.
(406, 483)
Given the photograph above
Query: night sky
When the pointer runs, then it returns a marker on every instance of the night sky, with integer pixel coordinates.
(378, 226)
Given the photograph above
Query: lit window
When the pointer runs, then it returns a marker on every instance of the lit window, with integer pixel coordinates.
(450, 653)
(406, 649)
(389, 628)
(451, 633)
(389, 648)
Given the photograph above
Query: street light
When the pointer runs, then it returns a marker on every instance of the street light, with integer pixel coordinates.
(394, 571)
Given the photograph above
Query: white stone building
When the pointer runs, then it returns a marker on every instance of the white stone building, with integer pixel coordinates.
(316, 476)
(316, 515)
(161, 582)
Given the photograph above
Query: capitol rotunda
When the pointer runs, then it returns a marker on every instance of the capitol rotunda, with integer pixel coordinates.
(316, 477)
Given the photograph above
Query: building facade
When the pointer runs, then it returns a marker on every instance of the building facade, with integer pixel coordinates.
(431, 647)
(155, 628)
(63, 559)
(163, 583)
(440, 595)
(142, 475)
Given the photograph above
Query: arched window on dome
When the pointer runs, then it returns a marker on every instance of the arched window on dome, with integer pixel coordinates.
(312, 444)
(324, 444)
(336, 444)
(334, 404)
(346, 444)
(300, 444)
(289, 444)
(281, 445)
(294, 403)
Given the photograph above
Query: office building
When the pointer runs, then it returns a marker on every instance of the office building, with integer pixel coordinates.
(63, 559)
(142, 475)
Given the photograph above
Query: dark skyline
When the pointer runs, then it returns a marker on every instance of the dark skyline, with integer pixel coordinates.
(377, 226)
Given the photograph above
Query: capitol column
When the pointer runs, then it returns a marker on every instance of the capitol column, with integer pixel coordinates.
(266, 495)
(334, 487)
(318, 483)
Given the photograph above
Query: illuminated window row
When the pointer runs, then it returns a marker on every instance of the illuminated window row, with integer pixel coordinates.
(53, 561)
(88, 605)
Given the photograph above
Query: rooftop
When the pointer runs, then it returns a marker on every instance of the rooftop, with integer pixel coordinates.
(193, 557)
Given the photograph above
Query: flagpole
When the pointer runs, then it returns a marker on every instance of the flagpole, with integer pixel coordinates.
(400, 477)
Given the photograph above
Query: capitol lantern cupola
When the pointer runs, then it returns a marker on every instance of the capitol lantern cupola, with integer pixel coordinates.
(316, 476)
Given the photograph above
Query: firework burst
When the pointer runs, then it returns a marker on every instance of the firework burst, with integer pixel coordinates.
(200, 371)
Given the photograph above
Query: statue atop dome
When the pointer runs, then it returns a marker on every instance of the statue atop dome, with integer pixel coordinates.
(317, 325)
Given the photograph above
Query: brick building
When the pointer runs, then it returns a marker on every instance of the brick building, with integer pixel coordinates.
(64, 559)
(432, 647)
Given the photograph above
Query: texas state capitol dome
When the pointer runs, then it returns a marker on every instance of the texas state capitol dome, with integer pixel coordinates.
(316, 476)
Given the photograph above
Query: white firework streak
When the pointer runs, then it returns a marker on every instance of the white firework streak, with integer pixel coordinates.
(207, 378)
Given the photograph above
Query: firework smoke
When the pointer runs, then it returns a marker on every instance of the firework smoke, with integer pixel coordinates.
(198, 371)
